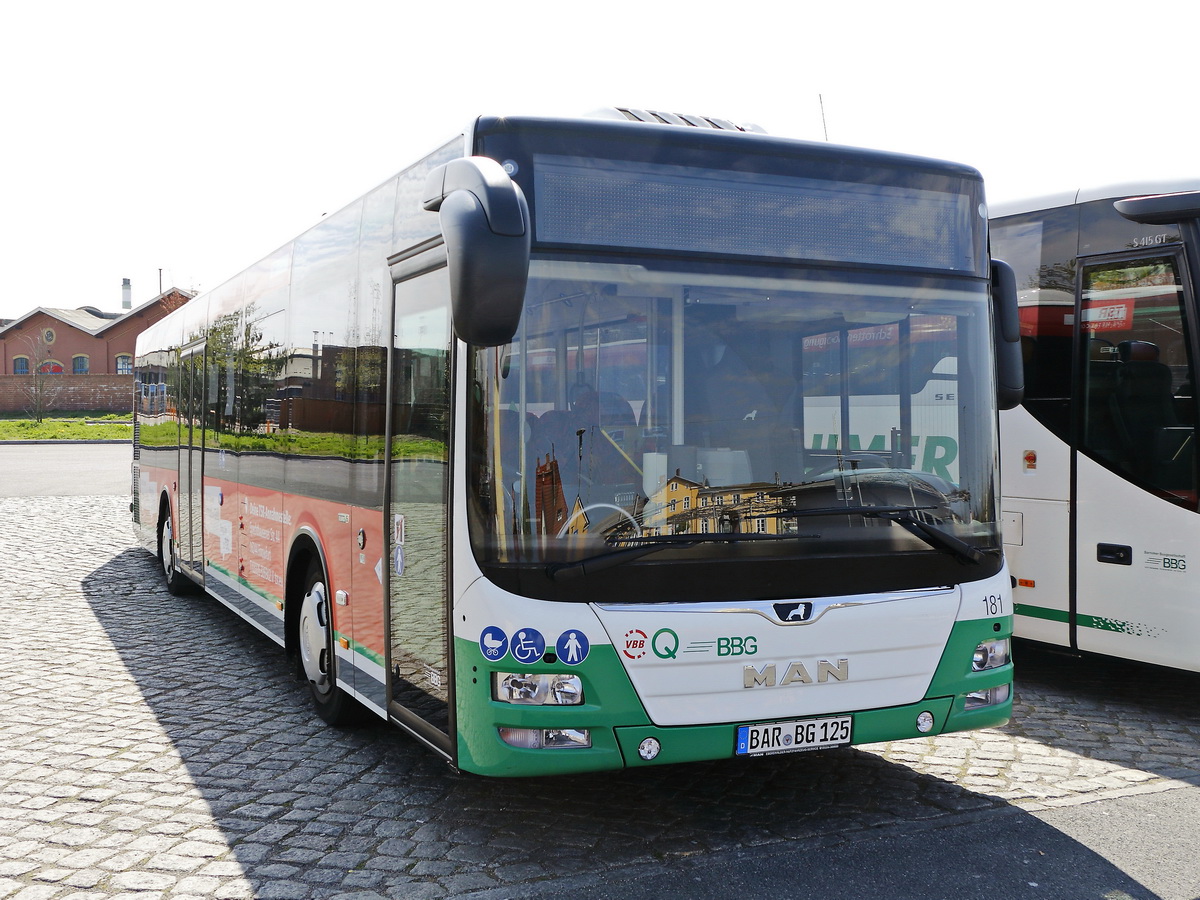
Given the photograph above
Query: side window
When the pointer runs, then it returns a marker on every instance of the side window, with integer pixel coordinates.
(124, 364)
(1041, 247)
(317, 410)
(79, 365)
(1136, 404)
(20, 365)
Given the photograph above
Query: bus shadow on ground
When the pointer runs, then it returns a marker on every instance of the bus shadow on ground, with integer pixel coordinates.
(368, 809)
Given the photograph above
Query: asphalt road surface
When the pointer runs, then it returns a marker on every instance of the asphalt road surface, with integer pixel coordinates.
(62, 469)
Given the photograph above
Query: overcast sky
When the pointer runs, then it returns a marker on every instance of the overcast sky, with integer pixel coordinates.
(195, 138)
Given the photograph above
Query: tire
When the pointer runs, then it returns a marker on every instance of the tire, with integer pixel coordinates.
(317, 661)
(174, 580)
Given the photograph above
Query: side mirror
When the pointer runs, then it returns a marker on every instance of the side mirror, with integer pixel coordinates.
(1006, 335)
(1160, 209)
(1181, 210)
(485, 224)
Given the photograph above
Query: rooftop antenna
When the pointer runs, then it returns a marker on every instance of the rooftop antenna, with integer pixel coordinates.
(821, 100)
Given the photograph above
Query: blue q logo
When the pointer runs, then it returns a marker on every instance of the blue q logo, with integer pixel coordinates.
(665, 643)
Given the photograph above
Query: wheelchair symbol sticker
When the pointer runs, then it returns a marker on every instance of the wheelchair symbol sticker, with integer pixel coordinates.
(528, 645)
(493, 643)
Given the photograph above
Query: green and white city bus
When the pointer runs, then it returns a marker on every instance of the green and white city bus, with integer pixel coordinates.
(1100, 481)
(607, 442)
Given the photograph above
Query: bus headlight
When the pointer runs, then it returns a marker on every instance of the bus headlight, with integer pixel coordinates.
(990, 655)
(546, 738)
(541, 689)
(987, 697)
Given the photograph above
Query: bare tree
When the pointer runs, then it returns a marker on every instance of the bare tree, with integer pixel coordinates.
(45, 383)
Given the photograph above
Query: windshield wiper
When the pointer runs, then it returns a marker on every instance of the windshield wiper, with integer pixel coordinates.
(637, 547)
(902, 516)
(935, 537)
(871, 512)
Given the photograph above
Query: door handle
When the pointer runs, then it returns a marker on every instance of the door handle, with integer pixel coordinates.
(1116, 554)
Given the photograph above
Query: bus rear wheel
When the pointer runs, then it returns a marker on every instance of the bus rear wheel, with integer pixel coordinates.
(318, 662)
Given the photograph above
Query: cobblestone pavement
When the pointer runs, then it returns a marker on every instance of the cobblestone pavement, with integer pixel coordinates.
(155, 746)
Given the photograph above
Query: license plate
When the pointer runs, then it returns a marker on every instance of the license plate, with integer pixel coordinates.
(791, 737)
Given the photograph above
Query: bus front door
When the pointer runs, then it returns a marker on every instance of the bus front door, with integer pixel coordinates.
(418, 519)
(190, 511)
(1134, 485)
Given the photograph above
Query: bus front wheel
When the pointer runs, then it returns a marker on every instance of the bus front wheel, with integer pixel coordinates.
(315, 644)
(174, 579)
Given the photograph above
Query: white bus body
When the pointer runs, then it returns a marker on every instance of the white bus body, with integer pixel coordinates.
(1099, 465)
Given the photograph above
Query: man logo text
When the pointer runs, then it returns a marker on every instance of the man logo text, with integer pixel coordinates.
(796, 673)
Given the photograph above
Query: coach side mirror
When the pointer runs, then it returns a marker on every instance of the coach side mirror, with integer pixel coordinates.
(1006, 334)
(485, 224)
(1160, 209)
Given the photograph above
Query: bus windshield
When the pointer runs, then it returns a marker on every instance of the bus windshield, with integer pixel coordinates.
(688, 412)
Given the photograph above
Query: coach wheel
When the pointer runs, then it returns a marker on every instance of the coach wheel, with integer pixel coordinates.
(317, 660)
(172, 577)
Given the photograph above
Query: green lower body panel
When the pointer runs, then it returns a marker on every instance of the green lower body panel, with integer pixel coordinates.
(609, 701)
(617, 724)
(955, 677)
(689, 744)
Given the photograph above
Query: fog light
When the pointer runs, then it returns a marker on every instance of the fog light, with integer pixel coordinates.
(541, 689)
(990, 655)
(925, 722)
(546, 738)
(649, 748)
(988, 697)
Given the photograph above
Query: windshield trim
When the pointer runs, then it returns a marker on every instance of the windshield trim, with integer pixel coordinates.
(899, 285)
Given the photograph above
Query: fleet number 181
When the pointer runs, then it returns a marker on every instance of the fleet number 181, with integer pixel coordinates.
(993, 604)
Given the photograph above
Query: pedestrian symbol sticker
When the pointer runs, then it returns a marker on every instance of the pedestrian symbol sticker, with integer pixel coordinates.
(572, 647)
(493, 643)
(528, 645)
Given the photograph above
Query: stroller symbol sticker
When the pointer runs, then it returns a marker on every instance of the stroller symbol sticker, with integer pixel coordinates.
(493, 643)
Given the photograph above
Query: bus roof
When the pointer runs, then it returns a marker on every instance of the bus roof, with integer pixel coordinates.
(715, 131)
(1084, 195)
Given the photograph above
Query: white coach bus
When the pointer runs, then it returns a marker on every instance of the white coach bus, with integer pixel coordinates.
(1101, 523)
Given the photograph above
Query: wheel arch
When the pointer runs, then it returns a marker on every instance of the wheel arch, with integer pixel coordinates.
(306, 548)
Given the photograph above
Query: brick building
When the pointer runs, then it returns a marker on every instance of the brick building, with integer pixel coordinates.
(87, 354)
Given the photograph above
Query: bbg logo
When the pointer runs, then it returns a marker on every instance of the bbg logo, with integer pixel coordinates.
(665, 645)
(737, 646)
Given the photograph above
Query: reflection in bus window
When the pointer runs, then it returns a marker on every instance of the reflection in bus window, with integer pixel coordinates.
(742, 392)
(1137, 390)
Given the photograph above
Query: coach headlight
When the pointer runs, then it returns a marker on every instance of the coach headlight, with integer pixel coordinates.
(990, 655)
(540, 689)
